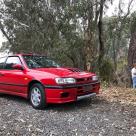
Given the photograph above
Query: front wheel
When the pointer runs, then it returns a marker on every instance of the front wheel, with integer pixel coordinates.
(37, 96)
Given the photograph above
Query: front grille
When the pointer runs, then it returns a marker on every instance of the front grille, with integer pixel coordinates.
(85, 89)
(84, 79)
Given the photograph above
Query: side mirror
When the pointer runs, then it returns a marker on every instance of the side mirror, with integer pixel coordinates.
(18, 66)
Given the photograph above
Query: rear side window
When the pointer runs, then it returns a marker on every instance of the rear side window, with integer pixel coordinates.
(2, 62)
(11, 61)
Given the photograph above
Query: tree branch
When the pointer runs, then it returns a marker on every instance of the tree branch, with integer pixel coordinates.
(5, 34)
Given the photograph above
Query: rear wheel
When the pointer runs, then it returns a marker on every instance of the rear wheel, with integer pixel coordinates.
(37, 96)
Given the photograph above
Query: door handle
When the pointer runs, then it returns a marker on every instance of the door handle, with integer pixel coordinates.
(1, 74)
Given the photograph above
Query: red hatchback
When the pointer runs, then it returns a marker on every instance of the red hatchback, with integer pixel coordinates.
(43, 81)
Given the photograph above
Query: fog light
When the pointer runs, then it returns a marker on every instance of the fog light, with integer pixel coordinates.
(64, 95)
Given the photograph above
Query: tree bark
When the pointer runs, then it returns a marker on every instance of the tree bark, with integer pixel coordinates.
(89, 38)
(132, 48)
(100, 29)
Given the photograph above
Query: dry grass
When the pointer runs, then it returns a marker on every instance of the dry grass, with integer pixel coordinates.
(119, 94)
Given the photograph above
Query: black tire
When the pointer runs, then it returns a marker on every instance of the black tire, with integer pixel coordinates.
(41, 93)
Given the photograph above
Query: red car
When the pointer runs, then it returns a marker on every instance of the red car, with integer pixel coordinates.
(43, 81)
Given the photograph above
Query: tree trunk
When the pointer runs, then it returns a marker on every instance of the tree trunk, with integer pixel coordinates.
(89, 38)
(114, 53)
(132, 48)
(101, 42)
(5, 34)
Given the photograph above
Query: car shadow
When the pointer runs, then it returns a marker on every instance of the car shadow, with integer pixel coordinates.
(16, 99)
(82, 104)
(72, 106)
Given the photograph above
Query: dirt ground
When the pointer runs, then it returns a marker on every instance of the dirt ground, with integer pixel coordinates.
(112, 113)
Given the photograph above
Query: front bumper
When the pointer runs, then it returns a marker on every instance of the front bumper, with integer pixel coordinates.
(70, 93)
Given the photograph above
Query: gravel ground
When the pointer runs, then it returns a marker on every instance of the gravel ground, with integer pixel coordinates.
(96, 117)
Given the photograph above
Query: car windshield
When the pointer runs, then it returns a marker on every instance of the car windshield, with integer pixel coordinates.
(35, 61)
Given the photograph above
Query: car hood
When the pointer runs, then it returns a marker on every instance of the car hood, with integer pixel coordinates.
(65, 72)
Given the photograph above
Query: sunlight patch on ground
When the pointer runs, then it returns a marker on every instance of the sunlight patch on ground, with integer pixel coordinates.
(119, 94)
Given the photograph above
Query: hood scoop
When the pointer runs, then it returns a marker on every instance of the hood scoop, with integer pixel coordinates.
(75, 70)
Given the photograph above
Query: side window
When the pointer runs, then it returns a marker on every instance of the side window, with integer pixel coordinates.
(11, 61)
(2, 62)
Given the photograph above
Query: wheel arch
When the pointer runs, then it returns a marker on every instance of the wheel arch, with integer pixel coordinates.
(30, 84)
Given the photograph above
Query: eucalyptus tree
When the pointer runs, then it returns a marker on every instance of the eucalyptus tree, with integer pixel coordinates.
(73, 31)
(28, 25)
(68, 27)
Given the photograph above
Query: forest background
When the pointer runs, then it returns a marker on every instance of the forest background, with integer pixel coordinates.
(76, 33)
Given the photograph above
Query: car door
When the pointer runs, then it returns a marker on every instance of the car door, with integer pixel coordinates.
(13, 80)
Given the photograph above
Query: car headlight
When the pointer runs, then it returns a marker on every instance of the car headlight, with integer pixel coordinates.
(95, 78)
(65, 80)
